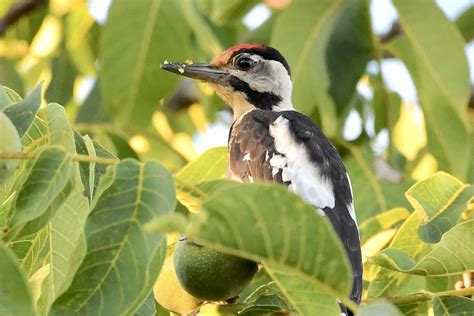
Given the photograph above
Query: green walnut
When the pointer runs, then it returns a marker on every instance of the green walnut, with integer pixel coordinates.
(9, 142)
(168, 291)
(209, 274)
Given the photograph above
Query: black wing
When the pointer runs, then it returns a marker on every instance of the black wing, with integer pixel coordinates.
(253, 144)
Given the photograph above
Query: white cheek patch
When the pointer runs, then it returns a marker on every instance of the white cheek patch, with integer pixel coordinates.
(306, 179)
(271, 76)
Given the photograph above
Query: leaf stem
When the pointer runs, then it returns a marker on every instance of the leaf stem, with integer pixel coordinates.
(75, 157)
(426, 296)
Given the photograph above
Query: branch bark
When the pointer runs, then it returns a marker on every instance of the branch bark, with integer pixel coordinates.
(18, 10)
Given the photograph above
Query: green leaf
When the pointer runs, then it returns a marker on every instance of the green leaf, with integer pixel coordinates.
(93, 108)
(304, 295)
(132, 82)
(439, 201)
(204, 29)
(414, 309)
(23, 112)
(66, 247)
(47, 179)
(79, 38)
(381, 222)
(309, 25)
(124, 150)
(230, 11)
(387, 282)
(379, 308)
(122, 260)
(465, 24)
(433, 51)
(211, 165)
(386, 105)
(8, 96)
(348, 51)
(368, 193)
(452, 305)
(297, 246)
(51, 126)
(61, 87)
(450, 256)
(9, 76)
(16, 298)
(148, 307)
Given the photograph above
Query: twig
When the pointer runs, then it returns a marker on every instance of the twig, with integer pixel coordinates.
(395, 30)
(18, 10)
(75, 157)
(426, 296)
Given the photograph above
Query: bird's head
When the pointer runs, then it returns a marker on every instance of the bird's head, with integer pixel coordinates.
(246, 76)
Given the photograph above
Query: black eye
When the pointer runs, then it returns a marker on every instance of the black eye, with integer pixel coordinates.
(244, 63)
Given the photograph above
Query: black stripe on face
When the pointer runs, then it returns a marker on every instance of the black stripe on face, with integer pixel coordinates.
(261, 100)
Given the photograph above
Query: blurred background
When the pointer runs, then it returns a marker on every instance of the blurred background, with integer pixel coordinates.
(389, 83)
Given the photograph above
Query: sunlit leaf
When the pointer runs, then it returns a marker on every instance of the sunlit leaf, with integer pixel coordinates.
(439, 201)
(47, 179)
(391, 283)
(451, 255)
(122, 261)
(65, 246)
(16, 298)
(211, 165)
(381, 222)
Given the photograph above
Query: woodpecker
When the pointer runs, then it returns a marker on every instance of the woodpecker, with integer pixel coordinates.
(271, 141)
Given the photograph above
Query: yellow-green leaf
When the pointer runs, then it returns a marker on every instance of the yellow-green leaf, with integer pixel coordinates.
(122, 260)
(453, 254)
(439, 201)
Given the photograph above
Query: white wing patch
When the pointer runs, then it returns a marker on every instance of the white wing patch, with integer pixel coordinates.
(306, 179)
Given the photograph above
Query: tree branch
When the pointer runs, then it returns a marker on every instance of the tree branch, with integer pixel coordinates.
(18, 10)
(426, 296)
(395, 30)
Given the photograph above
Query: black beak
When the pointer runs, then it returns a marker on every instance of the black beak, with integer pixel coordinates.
(200, 71)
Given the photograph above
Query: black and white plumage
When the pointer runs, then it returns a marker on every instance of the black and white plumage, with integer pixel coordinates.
(270, 141)
(286, 147)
